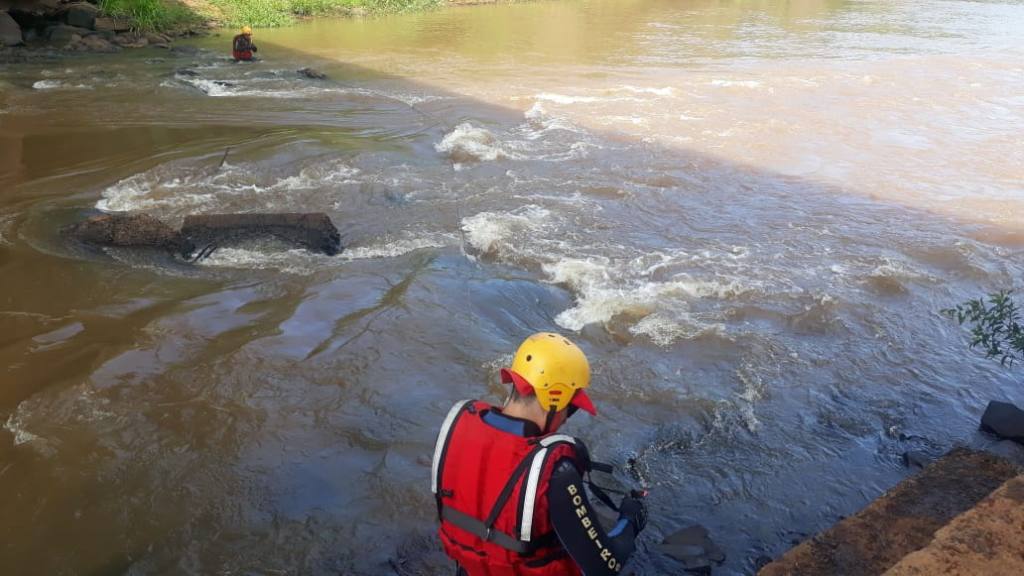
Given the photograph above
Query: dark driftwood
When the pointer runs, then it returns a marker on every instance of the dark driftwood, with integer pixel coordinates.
(313, 231)
(135, 230)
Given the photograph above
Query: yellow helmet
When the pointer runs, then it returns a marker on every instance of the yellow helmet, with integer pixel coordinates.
(246, 30)
(554, 369)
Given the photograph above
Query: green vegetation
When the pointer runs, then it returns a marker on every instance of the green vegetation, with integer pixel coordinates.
(175, 14)
(265, 13)
(151, 15)
(995, 326)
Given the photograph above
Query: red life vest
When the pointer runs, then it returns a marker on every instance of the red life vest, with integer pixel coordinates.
(241, 47)
(491, 489)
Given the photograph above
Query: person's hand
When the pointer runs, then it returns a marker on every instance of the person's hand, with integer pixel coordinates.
(635, 511)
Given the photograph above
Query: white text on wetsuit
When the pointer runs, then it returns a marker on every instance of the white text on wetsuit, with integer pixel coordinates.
(588, 525)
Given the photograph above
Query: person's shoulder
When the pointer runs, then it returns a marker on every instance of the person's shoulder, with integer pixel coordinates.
(565, 465)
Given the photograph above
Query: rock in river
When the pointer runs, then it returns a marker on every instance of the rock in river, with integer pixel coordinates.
(10, 32)
(312, 74)
(62, 34)
(81, 14)
(1005, 420)
(693, 547)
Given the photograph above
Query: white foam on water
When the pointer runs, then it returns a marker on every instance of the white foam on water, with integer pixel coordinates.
(654, 291)
(16, 428)
(209, 87)
(299, 262)
(896, 269)
(564, 99)
(634, 120)
(304, 263)
(736, 83)
(663, 329)
(490, 232)
(392, 249)
(410, 99)
(604, 291)
(666, 91)
(137, 193)
(218, 88)
(199, 188)
(6, 228)
(57, 84)
(549, 137)
(469, 143)
(539, 118)
(753, 391)
(315, 177)
(47, 85)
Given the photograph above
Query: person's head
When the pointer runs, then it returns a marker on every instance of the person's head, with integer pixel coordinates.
(548, 377)
(246, 30)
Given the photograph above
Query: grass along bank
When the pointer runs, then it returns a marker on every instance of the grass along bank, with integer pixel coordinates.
(176, 15)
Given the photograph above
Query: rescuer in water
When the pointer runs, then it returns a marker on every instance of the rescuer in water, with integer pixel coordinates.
(509, 489)
(242, 47)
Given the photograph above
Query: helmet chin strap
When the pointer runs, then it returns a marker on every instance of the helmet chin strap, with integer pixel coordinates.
(549, 420)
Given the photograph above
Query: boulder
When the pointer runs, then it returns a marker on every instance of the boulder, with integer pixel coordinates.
(98, 44)
(184, 50)
(128, 230)
(693, 547)
(10, 32)
(1004, 420)
(111, 25)
(82, 15)
(154, 38)
(62, 34)
(312, 74)
(916, 459)
(313, 231)
(130, 41)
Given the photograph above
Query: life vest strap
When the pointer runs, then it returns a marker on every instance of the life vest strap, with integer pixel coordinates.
(480, 530)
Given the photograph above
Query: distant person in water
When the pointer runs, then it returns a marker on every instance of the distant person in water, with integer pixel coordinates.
(242, 47)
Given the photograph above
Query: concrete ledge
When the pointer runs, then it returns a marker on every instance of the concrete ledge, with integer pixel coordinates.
(902, 521)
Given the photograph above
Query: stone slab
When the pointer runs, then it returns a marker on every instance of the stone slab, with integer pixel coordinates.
(986, 540)
(901, 521)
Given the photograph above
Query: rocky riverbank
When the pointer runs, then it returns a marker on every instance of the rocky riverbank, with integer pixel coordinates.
(51, 27)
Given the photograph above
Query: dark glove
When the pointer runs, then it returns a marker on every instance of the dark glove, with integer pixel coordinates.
(254, 48)
(634, 510)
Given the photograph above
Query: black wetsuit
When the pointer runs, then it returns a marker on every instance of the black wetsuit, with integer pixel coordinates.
(597, 552)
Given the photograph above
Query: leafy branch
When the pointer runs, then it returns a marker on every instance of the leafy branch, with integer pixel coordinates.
(995, 326)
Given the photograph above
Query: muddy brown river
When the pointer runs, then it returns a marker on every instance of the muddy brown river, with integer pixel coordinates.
(748, 214)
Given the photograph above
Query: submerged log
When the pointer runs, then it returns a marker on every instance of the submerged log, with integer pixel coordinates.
(129, 230)
(313, 231)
